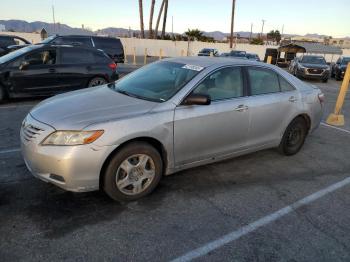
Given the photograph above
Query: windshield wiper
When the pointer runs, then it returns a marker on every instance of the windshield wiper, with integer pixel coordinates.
(138, 97)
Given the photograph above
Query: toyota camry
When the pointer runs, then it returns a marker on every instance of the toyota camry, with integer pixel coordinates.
(168, 116)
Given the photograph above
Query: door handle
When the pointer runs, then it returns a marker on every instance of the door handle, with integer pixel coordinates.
(52, 70)
(241, 108)
(292, 99)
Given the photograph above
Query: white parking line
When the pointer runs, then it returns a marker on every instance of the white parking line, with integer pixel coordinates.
(7, 151)
(234, 235)
(334, 127)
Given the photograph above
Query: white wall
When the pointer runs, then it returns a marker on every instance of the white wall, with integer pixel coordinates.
(177, 48)
(173, 48)
(31, 37)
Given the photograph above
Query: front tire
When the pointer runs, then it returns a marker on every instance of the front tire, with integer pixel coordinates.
(97, 81)
(294, 137)
(133, 172)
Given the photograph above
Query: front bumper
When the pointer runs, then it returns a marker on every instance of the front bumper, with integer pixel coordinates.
(305, 74)
(73, 168)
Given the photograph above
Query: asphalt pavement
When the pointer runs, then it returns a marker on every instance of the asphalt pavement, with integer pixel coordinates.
(258, 207)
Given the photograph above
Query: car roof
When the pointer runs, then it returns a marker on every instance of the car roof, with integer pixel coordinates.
(211, 61)
(87, 36)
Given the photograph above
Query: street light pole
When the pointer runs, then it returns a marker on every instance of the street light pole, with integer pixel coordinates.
(262, 28)
(232, 22)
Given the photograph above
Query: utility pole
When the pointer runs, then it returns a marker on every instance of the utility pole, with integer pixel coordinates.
(262, 28)
(251, 32)
(172, 26)
(282, 30)
(232, 22)
(53, 17)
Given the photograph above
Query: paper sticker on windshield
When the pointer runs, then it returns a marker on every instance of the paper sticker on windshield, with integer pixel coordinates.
(193, 67)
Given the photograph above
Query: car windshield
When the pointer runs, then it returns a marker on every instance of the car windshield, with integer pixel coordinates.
(157, 82)
(15, 54)
(313, 60)
(48, 40)
(206, 50)
(346, 61)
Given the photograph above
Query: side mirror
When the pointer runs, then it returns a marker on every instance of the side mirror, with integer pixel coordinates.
(197, 99)
(24, 65)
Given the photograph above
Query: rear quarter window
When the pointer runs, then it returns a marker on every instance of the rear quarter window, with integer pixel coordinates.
(101, 42)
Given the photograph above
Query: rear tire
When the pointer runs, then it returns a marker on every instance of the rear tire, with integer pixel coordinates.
(294, 137)
(97, 81)
(133, 172)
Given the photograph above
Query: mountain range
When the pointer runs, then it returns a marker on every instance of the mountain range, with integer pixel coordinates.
(63, 29)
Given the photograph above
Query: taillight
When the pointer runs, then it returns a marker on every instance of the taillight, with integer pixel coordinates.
(321, 98)
(112, 66)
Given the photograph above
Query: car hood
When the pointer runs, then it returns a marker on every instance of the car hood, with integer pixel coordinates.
(79, 109)
(314, 66)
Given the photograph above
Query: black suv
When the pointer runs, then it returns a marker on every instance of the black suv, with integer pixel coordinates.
(111, 46)
(310, 67)
(43, 70)
(338, 69)
(9, 43)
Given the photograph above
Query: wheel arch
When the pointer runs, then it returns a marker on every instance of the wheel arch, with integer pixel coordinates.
(149, 140)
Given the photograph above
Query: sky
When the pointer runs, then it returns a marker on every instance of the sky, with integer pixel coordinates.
(298, 16)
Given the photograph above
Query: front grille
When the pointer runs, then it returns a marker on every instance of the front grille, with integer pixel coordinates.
(29, 132)
(315, 71)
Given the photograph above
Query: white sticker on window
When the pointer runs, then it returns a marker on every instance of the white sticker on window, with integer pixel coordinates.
(193, 67)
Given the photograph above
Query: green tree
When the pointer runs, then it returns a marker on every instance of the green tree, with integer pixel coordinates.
(194, 34)
(256, 41)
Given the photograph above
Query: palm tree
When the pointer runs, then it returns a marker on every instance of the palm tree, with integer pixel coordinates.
(165, 17)
(158, 19)
(232, 21)
(194, 34)
(151, 19)
(141, 19)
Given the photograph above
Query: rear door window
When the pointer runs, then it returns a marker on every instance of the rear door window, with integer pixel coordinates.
(76, 56)
(285, 85)
(263, 81)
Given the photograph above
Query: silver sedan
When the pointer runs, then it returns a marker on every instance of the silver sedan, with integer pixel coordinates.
(168, 116)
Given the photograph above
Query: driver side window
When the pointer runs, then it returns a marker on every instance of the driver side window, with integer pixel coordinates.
(45, 57)
(225, 83)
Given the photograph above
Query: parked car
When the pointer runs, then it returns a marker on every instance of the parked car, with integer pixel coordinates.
(168, 116)
(252, 56)
(110, 45)
(208, 51)
(42, 70)
(310, 67)
(338, 69)
(9, 43)
(236, 54)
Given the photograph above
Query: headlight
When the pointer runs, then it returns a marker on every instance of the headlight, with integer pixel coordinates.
(72, 138)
